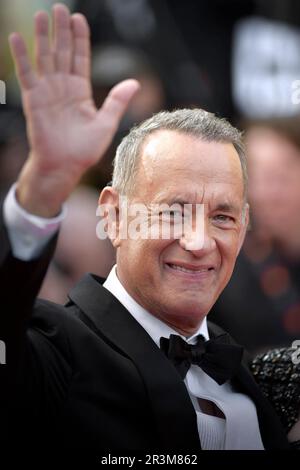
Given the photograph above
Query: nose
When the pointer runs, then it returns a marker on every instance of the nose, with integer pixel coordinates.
(198, 239)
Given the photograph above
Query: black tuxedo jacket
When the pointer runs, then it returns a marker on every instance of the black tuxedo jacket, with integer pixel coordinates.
(88, 375)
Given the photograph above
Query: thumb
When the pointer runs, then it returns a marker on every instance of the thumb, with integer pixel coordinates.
(117, 102)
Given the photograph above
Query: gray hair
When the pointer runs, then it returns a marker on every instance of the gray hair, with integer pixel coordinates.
(196, 122)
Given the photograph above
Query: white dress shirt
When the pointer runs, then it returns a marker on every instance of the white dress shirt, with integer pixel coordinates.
(29, 234)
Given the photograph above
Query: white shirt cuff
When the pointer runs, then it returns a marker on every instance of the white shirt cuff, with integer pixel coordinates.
(28, 233)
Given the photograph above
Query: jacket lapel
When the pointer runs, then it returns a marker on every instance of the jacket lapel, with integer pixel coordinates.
(172, 408)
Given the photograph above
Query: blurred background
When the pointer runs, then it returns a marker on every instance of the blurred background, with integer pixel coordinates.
(237, 58)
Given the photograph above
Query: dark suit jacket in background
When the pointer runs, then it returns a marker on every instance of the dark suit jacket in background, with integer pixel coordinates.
(88, 375)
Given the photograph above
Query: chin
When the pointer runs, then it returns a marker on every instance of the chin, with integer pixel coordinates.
(189, 310)
(193, 304)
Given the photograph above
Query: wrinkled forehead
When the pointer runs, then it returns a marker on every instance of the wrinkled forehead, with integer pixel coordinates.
(186, 164)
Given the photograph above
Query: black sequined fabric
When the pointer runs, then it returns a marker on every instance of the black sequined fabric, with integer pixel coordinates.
(278, 376)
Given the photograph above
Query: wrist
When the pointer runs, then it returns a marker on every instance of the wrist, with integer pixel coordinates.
(43, 194)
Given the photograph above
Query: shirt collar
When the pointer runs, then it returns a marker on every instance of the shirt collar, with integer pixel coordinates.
(154, 327)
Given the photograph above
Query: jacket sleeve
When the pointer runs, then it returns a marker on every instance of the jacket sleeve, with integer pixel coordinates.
(20, 282)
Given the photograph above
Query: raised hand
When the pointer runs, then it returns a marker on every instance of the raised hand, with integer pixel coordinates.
(67, 134)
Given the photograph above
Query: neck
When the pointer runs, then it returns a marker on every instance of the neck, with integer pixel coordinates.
(180, 325)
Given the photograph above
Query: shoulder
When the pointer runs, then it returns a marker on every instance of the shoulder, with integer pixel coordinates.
(47, 315)
(54, 326)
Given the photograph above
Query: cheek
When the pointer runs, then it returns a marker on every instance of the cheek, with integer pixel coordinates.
(146, 253)
(153, 255)
(228, 246)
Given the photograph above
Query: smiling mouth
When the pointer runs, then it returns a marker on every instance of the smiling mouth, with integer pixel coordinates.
(193, 270)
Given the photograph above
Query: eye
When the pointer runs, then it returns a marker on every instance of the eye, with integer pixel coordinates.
(224, 219)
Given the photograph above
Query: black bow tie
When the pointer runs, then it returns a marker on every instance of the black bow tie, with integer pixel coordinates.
(217, 357)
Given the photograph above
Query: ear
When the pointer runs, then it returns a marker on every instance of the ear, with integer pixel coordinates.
(245, 223)
(108, 209)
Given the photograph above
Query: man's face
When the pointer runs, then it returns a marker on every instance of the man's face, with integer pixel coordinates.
(174, 279)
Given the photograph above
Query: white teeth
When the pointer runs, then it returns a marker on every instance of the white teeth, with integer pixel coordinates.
(185, 270)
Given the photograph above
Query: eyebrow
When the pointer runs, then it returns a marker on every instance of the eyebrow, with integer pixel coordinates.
(227, 207)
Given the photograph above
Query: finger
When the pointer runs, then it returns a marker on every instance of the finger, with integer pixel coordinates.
(117, 102)
(24, 70)
(43, 53)
(62, 38)
(82, 47)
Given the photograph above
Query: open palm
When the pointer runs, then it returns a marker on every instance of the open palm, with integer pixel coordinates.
(66, 132)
